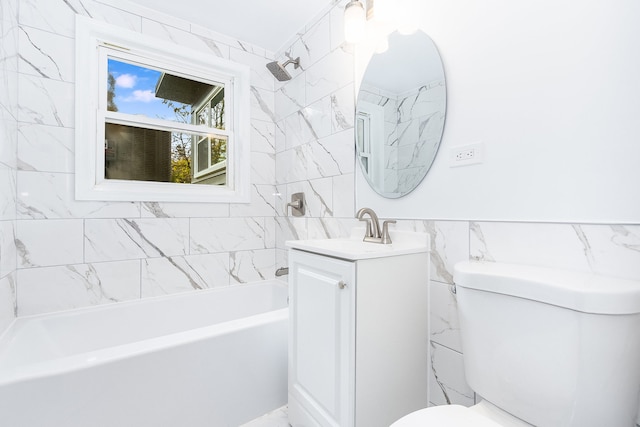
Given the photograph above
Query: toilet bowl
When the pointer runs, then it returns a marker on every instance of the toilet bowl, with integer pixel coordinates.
(481, 415)
(544, 347)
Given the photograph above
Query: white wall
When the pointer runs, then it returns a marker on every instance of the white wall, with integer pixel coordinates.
(551, 88)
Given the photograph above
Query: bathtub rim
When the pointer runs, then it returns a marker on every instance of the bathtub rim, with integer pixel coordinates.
(133, 302)
(110, 354)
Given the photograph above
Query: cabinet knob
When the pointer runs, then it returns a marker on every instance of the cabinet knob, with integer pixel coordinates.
(341, 284)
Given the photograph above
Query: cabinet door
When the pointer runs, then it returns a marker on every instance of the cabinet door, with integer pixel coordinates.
(321, 340)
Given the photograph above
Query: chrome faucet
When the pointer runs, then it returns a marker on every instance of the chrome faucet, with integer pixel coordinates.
(282, 271)
(373, 225)
(372, 232)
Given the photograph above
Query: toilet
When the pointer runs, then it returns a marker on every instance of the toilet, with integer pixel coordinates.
(545, 348)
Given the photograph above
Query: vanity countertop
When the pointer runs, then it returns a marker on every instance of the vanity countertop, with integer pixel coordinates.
(353, 248)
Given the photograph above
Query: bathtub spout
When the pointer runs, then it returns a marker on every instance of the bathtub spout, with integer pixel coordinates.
(282, 271)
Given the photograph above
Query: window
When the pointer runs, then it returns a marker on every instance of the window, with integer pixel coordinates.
(210, 154)
(158, 122)
(370, 142)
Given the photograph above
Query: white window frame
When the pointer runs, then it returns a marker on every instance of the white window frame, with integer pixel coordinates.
(219, 167)
(372, 147)
(95, 41)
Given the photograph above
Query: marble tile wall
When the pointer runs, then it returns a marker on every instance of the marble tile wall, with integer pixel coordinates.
(71, 253)
(389, 102)
(413, 126)
(314, 133)
(609, 250)
(420, 124)
(8, 169)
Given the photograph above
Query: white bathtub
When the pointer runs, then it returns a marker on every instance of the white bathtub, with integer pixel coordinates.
(214, 358)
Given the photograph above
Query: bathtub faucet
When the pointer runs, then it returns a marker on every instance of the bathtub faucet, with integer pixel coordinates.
(282, 271)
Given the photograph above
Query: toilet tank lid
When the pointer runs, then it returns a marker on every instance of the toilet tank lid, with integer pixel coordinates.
(589, 293)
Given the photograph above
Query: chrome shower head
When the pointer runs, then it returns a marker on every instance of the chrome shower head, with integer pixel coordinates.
(278, 70)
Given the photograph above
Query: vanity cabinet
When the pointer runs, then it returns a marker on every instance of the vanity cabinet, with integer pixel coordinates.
(358, 339)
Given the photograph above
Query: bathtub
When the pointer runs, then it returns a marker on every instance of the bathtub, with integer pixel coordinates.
(214, 358)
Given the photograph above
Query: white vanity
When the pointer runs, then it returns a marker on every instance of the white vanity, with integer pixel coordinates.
(358, 334)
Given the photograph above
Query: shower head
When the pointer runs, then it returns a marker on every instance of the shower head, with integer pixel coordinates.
(278, 70)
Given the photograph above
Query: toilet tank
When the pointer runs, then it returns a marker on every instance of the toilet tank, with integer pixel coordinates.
(552, 347)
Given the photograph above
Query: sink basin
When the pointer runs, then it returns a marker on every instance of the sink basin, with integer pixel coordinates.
(353, 248)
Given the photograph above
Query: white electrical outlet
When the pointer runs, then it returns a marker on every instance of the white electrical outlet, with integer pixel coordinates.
(464, 155)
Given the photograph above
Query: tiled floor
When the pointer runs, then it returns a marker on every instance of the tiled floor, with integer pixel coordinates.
(277, 418)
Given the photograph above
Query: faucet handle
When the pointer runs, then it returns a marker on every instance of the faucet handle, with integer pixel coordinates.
(386, 238)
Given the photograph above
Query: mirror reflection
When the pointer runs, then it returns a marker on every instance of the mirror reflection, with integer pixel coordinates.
(149, 150)
(400, 114)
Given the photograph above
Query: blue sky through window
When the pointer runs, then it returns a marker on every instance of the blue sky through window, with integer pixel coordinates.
(135, 91)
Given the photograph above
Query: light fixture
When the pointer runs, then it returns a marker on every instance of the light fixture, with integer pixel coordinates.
(354, 21)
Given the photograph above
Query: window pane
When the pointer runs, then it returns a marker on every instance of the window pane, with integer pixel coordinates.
(360, 134)
(203, 154)
(218, 150)
(217, 111)
(203, 116)
(139, 90)
(181, 157)
(139, 154)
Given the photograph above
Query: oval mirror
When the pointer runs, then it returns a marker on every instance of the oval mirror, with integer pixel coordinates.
(400, 114)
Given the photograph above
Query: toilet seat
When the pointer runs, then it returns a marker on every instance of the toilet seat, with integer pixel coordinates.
(445, 416)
